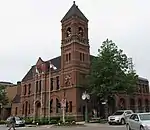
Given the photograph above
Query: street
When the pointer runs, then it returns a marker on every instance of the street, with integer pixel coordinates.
(88, 127)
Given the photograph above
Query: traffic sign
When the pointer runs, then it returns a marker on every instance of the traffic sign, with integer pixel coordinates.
(63, 103)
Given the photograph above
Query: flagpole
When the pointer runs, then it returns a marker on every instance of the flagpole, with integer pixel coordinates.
(50, 75)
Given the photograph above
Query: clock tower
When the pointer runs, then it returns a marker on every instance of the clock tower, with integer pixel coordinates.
(75, 53)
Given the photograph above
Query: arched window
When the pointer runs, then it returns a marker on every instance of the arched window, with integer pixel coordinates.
(29, 109)
(80, 31)
(36, 86)
(25, 89)
(16, 110)
(29, 89)
(68, 32)
(70, 106)
(67, 106)
(23, 109)
(51, 106)
(57, 105)
(40, 85)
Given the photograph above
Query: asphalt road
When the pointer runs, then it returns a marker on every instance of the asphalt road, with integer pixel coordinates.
(89, 127)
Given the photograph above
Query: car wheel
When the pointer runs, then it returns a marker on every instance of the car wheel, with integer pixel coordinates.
(142, 128)
(128, 127)
(109, 123)
(122, 121)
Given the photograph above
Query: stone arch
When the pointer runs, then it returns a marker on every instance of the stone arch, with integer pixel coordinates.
(132, 104)
(111, 105)
(122, 103)
(68, 32)
(146, 105)
(80, 31)
(55, 96)
(37, 109)
(140, 105)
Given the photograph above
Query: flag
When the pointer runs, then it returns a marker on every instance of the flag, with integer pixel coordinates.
(37, 70)
(52, 66)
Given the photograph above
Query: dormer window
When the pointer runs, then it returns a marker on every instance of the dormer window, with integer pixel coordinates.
(68, 32)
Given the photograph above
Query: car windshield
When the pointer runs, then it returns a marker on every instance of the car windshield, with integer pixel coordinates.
(118, 113)
(144, 116)
(17, 118)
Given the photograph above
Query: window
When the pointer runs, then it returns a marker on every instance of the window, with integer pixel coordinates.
(29, 89)
(68, 32)
(128, 112)
(82, 56)
(57, 105)
(147, 88)
(25, 89)
(51, 106)
(51, 84)
(16, 110)
(118, 113)
(66, 106)
(132, 116)
(145, 117)
(23, 109)
(69, 56)
(70, 106)
(57, 82)
(36, 86)
(40, 83)
(29, 109)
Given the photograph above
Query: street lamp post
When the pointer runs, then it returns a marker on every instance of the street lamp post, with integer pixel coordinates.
(86, 97)
(105, 103)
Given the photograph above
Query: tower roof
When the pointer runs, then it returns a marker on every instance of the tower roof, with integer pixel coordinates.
(74, 11)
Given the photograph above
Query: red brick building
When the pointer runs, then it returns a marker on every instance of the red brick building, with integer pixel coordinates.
(48, 82)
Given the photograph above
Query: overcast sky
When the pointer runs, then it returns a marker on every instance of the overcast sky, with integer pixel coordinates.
(31, 28)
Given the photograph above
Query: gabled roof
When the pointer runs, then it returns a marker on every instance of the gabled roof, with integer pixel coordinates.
(55, 61)
(74, 11)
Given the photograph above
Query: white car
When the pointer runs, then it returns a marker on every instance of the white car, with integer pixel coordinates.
(119, 117)
(19, 121)
(138, 121)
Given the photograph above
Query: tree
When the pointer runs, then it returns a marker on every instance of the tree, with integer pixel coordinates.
(3, 97)
(111, 72)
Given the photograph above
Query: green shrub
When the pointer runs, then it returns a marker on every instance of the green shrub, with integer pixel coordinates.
(53, 121)
(44, 121)
(28, 120)
(69, 119)
(2, 122)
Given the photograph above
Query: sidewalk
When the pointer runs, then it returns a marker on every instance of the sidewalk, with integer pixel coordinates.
(86, 124)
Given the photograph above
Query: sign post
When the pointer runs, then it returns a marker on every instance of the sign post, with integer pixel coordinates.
(63, 105)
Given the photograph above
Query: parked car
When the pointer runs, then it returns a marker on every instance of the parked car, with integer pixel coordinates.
(138, 121)
(119, 117)
(19, 121)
